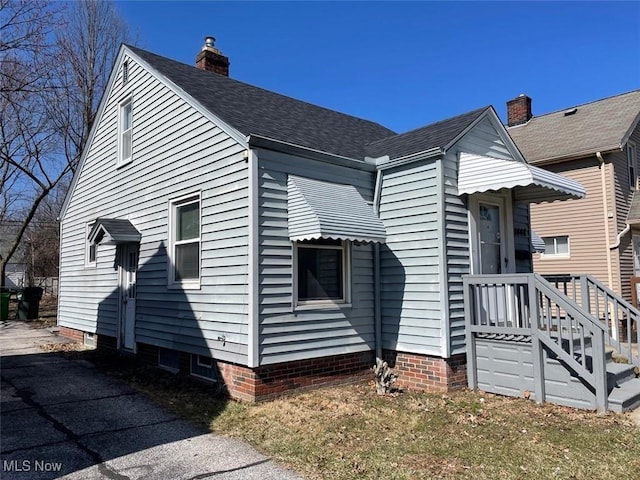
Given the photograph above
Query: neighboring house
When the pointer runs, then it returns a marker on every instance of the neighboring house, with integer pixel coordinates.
(222, 229)
(595, 144)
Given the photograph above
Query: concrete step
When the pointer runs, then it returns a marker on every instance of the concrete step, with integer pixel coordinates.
(625, 397)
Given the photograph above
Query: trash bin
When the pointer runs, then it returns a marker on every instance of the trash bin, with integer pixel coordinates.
(5, 297)
(29, 303)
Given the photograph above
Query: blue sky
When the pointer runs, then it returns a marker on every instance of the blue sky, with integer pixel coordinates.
(408, 64)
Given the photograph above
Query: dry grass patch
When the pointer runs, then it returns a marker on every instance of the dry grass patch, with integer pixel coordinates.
(350, 432)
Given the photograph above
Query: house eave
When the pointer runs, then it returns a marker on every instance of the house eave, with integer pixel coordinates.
(576, 155)
(259, 141)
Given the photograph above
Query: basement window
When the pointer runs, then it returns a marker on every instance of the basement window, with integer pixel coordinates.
(555, 247)
(204, 367)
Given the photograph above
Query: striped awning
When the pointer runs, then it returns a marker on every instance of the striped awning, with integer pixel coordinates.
(113, 231)
(318, 209)
(479, 173)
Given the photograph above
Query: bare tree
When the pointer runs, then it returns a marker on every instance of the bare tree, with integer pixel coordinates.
(54, 66)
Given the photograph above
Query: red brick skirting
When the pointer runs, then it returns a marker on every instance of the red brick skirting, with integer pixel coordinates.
(270, 381)
(428, 373)
(415, 371)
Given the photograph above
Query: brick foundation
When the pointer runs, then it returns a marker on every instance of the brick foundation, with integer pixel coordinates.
(103, 342)
(427, 373)
(270, 381)
(416, 372)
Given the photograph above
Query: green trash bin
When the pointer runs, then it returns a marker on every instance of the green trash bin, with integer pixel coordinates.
(29, 303)
(5, 297)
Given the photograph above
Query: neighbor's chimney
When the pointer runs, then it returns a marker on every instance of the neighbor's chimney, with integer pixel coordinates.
(211, 59)
(518, 110)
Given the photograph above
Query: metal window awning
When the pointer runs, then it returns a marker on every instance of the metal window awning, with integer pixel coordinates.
(113, 231)
(537, 244)
(479, 173)
(318, 209)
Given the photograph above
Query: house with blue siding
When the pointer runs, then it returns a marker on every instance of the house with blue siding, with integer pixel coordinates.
(250, 238)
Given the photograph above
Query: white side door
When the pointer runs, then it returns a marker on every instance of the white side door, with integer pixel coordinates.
(128, 274)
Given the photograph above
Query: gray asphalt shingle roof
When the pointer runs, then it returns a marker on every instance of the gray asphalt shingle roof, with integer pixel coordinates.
(598, 126)
(439, 134)
(255, 111)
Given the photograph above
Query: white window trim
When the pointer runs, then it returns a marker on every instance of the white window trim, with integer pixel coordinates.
(124, 161)
(87, 248)
(632, 163)
(345, 301)
(549, 256)
(190, 284)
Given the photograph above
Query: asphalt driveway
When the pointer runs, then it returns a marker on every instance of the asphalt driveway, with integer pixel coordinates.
(63, 419)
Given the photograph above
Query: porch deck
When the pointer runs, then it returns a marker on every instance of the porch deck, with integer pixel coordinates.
(552, 340)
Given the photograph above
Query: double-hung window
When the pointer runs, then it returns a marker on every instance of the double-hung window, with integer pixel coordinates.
(556, 246)
(321, 272)
(185, 242)
(126, 131)
(632, 162)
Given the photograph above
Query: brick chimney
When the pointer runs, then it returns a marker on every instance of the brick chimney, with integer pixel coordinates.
(519, 110)
(211, 59)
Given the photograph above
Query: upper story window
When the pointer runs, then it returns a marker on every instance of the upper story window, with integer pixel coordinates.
(632, 162)
(556, 246)
(322, 272)
(126, 130)
(184, 231)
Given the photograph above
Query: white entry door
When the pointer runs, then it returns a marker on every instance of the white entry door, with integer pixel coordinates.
(128, 270)
(492, 253)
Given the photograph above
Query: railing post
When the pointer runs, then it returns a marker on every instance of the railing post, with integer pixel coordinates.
(472, 379)
(536, 344)
(599, 371)
(584, 293)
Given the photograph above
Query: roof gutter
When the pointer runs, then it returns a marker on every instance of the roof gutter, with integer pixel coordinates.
(383, 163)
(293, 149)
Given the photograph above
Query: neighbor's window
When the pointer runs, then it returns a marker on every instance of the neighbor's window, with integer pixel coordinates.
(185, 241)
(90, 249)
(632, 159)
(556, 246)
(322, 271)
(126, 128)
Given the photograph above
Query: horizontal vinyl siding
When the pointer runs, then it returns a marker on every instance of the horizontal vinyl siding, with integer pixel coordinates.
(623, 196)
(582, 220)
(457, 252)
(285, 334)
(482, 139)
(176, 151)
(410, 260)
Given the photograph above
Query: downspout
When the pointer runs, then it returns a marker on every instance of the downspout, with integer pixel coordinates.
(605, 209)
(376, 272)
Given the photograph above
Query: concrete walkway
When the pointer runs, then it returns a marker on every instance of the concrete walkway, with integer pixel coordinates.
(64, 419)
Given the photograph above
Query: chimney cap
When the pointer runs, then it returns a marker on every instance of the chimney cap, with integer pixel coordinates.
(209, 41)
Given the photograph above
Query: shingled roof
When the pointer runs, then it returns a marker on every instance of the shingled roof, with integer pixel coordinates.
(598, 126)
(439, 134)
(255, 111)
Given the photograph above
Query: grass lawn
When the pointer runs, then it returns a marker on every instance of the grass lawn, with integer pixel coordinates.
(350, 432)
